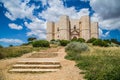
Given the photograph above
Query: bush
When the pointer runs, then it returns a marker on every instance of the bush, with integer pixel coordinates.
(41, 43)
(56, 42)
(99, 42)
(76, 47)
(74, 50)
(1, 46)
(64, 42)
(91, 40)
(1, 56)
(53, 40)
(74, 39)
(115, 41)
(108, 41)
(113, 45)
(81, 40)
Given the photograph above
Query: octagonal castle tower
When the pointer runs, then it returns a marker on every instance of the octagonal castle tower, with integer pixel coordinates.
(67, 29)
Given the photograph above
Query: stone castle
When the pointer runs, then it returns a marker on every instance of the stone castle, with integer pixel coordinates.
(67, 29)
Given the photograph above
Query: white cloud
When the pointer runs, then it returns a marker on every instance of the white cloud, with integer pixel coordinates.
(85, 0)
(18, 9)
(11, 41)
(37, 27)
(56, 9)
(52, 13)
(103, 35)
(15, 26)
(107, 13)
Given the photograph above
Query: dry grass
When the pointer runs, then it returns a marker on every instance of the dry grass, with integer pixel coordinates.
(100, 63)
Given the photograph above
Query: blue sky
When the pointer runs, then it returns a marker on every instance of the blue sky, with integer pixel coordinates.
(21, 19)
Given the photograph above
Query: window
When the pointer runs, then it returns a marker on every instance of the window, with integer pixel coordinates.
(74, 27)
(57, 29)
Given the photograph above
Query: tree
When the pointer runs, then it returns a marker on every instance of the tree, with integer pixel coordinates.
(11, 45)
(1, 46)
(31, 39)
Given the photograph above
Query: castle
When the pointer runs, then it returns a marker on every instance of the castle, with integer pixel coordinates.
(67, 29)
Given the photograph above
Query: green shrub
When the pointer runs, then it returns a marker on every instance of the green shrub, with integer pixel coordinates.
(99, 42)
(81, 40)
(74, 50)
(64, 42)
(57, 42)
(41, 43)
(108, 41)
(76, 47)
(113, 45)
(1, 46)
(101, 67)
(115, 41)
(74, 39)
(91, 40)
(1, 56)
(53, 40)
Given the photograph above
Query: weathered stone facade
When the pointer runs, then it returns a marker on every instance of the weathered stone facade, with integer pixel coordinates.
(67, 29)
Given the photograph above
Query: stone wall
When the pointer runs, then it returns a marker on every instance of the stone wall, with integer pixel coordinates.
(64, 27)
(50, 31)
(94, 29)
(85, 27)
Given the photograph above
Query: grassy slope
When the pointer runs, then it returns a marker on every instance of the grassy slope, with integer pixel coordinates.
(100, 63)
(16, 51)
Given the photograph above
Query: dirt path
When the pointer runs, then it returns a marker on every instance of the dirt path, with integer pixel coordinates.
(67, 72)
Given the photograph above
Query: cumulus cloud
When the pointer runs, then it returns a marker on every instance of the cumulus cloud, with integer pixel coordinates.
(103, 35)
(56, 9)
(11, 41)
(52, 13)
(18, 9)
(15, 26)
(107, 12)
(21, 9)
(37, 27)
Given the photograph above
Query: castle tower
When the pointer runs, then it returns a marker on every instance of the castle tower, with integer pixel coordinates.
(94, 30)
(64, 28)
(85, 27)
(57, 31)
(50, 31)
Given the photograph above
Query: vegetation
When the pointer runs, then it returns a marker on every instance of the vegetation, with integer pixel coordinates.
(98, 63)
(16, 51)
(104, 43)
(81, 40)
(64, 42)
(115, 41)
(1, 46)
(11, 45)
(74, 50)
(31, 39)
(78, 40)
(41, 43)
(2, 77)
(99, 42)
(91, 40)
(56, 42)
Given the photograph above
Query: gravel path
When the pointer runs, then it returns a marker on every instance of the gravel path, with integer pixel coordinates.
(67, 72)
